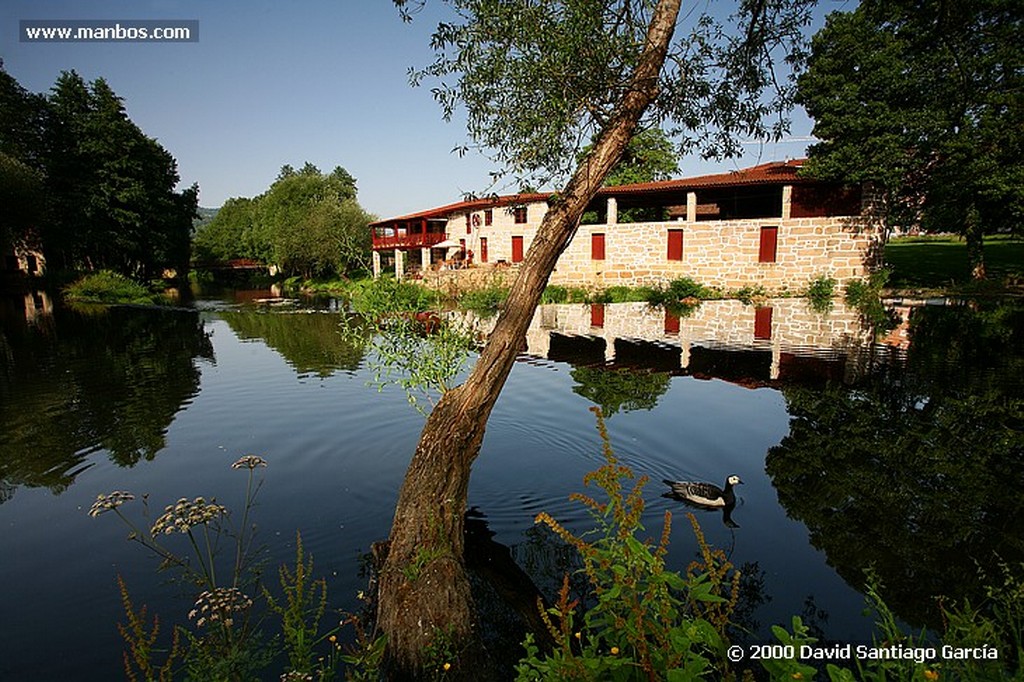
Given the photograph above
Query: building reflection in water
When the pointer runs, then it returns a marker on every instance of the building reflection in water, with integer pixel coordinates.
(781, 341)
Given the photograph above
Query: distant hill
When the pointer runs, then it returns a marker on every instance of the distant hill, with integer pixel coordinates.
(205, 216)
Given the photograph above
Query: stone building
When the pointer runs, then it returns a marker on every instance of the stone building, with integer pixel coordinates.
(765, 225)
(18, 262)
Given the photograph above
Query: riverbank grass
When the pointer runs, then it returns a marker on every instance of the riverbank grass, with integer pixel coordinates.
(110, 288)
(935, 262)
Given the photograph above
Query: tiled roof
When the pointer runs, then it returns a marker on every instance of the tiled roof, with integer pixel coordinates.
(772, 173)
(468, 205)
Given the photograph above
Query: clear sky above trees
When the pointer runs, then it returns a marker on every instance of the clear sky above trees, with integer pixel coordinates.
(269, 83)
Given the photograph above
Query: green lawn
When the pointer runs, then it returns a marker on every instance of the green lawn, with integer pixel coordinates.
(941, 262)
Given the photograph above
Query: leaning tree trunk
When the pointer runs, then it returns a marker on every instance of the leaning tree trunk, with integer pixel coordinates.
(424, 598)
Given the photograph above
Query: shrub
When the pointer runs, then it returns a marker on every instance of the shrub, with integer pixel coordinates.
(751, 294)
(486, 301)
(684, 289)
(554, 294)
(865, 297)
(109, 287)
(819, 293)
(386, 295)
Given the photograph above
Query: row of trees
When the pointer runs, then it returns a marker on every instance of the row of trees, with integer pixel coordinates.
(308, 223)
(82, 183)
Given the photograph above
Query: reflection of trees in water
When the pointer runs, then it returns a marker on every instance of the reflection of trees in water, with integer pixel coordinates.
(615, 389)
(108, 380)
(312, 343)
(918, 471)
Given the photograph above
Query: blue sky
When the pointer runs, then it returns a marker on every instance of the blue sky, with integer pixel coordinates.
(270, 83)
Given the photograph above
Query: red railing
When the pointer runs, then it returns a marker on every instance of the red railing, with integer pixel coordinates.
(408, 241)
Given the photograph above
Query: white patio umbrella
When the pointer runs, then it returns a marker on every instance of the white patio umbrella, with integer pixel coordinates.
(447, 244)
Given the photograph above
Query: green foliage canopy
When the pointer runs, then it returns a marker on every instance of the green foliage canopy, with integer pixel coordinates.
(307, 223)
(114, 201)
(926, 102)
(538, 80)
(22, 121)
(650, 156)
(86, 184)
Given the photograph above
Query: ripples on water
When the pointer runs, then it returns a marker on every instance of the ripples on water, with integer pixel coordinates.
(163, 402)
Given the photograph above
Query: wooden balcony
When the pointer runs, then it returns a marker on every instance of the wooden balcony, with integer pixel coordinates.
(415, 240)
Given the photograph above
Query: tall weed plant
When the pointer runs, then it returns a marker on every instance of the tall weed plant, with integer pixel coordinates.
(219, 565)
(644, 621)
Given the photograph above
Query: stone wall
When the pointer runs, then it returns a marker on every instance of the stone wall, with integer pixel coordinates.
(499, 234)
(720, 253)
(715, 253)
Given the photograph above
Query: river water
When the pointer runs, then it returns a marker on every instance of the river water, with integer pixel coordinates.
(903, 453)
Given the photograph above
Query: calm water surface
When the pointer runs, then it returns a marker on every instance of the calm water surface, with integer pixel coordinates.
(853, 453)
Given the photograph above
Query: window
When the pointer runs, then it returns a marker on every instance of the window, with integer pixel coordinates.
(597, 314)
(483, 249)
(519, 213)
(597, 246)
(763, 323)
(675, 245)
(469, 224)
(671, 323)
(769, 244)
(517, 249)
(488, 217)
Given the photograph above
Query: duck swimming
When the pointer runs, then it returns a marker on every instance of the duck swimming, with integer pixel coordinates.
(705, 495)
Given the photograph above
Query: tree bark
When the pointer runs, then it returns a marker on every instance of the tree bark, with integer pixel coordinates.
(424, 597)
(974, 236)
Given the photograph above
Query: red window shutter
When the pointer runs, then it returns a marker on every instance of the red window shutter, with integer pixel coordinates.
(597, 314)
(763, 323)
(597, 246)
(469, 227)
(488, 217)
(483, 249)
(517, 249)
(519, 215)
(675, 245)
(671, 323)
(769, 244)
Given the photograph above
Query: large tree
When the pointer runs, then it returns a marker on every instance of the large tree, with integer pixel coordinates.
(307, 223)
(924, 100)
(113, 202)
(228, 235)
(312, 223)
(23, 117)
(650, 156)
(537, 81)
